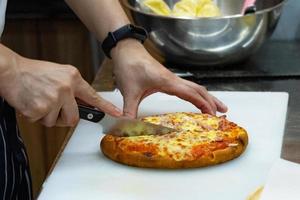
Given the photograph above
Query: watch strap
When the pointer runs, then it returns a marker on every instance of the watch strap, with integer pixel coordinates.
(127, 31)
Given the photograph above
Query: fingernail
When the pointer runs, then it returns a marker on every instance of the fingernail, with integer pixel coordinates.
(223, 103)
(225, 109)
(224, 106)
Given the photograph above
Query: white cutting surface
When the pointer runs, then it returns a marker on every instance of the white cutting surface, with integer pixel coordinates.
(83, 172)
(283, 182)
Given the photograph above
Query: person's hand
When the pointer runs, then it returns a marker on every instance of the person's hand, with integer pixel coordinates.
(139, 75)
(44, 91)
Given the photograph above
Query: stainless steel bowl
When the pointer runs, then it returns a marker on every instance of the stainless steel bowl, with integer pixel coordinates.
(208, 41)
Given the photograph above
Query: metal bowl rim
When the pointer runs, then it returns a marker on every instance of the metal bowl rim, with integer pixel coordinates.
(263, 11)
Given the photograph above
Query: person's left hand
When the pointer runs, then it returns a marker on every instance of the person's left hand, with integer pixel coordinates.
(138, 75)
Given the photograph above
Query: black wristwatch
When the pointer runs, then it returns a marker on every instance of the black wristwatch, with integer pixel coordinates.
(127, 31)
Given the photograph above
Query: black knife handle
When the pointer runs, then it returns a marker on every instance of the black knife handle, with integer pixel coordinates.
(89, 113)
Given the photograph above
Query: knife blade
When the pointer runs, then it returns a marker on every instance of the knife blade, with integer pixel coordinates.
(122, 127)
(126, 127)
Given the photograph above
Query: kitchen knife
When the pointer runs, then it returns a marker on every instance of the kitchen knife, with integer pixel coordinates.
(122, 126)
(89, 113)
(133, 127)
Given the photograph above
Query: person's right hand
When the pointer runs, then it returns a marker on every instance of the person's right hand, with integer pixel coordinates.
(44, 91)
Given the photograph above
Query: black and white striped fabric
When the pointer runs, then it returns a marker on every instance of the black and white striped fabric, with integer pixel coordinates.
(15, 180)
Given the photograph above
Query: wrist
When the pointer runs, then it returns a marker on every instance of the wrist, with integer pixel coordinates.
(124, 46)
(8, 69)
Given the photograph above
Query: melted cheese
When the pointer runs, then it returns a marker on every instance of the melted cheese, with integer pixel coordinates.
(192, 130)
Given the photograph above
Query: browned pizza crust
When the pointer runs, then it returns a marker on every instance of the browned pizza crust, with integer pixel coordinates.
(110, 148)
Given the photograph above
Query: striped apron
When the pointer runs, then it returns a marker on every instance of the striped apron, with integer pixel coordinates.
(15, 180)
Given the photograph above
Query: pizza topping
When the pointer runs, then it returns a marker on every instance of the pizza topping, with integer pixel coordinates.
(225, 125)
(144, 148)
(199, 140)
(197, 135)
(218, 139)
(198, 151)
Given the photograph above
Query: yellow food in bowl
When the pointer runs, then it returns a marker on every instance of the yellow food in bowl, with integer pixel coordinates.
(209, 10)
(184, 8)
(158, 7)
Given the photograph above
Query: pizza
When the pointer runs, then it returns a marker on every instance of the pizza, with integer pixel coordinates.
(199, 140)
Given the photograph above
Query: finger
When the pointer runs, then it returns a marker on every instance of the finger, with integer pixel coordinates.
(216, 103)
(203, 92)
(189, 94)
(220, 105)
(131, 104)
(50, 119)
(30, 120)
(87, 94)
(36, 112)
(69, 114)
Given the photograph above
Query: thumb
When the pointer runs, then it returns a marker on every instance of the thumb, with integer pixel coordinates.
(87, 94)
(130, 107)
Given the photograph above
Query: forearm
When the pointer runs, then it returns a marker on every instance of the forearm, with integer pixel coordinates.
(100, 16)
(8, 68)
(141, 75)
